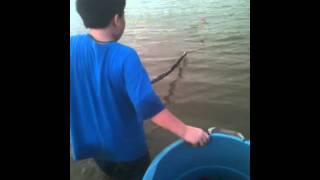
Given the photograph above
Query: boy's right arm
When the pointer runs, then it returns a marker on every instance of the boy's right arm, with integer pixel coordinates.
(147, 104)
(192, 135)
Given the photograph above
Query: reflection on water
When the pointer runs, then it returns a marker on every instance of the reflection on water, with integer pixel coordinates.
(173, 84)
(211, 86)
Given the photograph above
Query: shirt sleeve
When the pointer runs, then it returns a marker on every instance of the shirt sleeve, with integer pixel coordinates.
(139, 89)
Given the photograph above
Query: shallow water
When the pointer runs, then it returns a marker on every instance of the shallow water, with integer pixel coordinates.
(211, 86)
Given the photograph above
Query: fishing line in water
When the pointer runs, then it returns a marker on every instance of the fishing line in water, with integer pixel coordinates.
(173, 67)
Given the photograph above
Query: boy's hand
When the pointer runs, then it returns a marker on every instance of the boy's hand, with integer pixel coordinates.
(195, 136)
(190, 134)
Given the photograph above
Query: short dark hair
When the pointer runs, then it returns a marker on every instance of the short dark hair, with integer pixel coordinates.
(98, 13)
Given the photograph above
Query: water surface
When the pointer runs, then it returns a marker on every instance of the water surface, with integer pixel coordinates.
(211, 87)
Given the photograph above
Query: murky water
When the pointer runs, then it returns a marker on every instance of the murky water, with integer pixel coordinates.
(211, 87)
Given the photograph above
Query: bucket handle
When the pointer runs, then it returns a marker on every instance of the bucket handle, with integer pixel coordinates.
(226, 131)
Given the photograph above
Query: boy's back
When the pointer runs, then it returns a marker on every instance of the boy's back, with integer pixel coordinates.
(110, 95)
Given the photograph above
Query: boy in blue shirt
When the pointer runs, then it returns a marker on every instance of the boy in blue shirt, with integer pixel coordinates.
(111, 95)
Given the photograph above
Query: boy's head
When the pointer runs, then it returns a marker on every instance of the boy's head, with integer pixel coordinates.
(102, 14)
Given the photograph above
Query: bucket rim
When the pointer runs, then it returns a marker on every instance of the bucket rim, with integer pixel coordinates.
(154, 164)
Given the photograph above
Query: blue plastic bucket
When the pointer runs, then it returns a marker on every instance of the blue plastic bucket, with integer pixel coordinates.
(225, 157)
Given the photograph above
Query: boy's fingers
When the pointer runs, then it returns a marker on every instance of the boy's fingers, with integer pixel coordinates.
(198, 143)
(195, 143)
(207, 135)
(206, 138)
(202, 140)
(202, 143)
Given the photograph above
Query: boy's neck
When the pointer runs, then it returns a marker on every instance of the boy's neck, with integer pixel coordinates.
(101, 35)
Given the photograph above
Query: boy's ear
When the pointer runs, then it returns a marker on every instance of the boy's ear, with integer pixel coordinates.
(115, 20)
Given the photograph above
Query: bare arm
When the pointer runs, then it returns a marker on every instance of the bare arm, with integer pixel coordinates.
(192, 135)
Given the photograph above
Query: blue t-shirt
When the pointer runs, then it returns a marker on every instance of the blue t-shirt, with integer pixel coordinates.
(110, 96)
